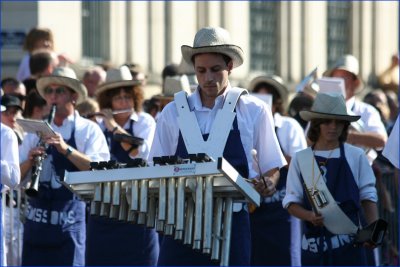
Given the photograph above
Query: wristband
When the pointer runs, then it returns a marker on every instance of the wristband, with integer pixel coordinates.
(69, 151)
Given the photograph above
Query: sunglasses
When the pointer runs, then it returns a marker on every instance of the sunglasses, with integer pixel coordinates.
(58, 90)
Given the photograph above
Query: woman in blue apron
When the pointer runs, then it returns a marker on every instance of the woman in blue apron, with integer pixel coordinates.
(111, 242)
(55, 230)
(341, 165)
(173, 252)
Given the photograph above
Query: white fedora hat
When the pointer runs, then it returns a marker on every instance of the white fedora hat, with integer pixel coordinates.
(328, 106)
(213, 40)
(63, 76)
(273, 81)
(116, 78)
(348, 63)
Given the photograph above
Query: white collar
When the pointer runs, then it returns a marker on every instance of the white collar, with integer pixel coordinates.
(196, 104)
(278, 120)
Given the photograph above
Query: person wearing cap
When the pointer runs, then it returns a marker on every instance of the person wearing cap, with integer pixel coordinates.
(271, 222)
(12, 110)
(214, 57)
(372, 134)
(55, 228)
(348, 177)
(111, 242)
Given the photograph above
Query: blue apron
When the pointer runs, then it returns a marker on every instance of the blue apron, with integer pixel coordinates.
(111, 242)
(55, 232)
(336, 249)
(173, 252)
(270, 228)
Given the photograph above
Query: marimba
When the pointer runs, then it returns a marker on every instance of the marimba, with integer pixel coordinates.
(190, 199)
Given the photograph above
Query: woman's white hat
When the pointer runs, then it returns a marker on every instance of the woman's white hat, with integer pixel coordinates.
(63, 76)
(273, 81)
(328, 106)
(213, 40)
(116, 78)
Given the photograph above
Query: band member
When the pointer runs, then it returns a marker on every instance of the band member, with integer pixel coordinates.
(213, 57)
(111, 242)
(55, 228)
(348, 177)
(271, 222)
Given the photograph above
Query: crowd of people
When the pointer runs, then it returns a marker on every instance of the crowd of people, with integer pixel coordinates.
(317, 144)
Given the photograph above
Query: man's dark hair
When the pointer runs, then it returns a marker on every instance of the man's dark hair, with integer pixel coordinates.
(314, 131)
(226, 58)
(39, 62)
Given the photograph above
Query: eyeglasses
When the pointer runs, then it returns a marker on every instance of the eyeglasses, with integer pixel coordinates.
(58, 90)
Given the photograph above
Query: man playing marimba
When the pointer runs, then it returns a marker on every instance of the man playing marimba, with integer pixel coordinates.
(218, 111)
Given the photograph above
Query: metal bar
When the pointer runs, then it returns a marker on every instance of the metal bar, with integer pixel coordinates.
(171, 201)
(217, 236)
(134, 195)
(208, 214)
(226, 242)
(198, 218)
(189, 221)
(151, 215)
(180, 208)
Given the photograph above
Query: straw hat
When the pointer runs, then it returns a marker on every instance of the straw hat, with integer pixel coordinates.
(328, 106)
(348, 63)
(272, 80)
(117, 78)
(213, 40)
(63, 76)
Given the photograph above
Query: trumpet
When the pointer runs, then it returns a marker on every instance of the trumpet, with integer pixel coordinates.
(33, 189)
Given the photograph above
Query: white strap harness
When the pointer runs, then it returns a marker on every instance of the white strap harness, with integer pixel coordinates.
(191, 134)
(335, 220)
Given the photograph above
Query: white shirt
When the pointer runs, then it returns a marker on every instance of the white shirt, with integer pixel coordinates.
(370, 117)
(144, 126)
(10, 172)
(391, 150)
(255, 124)
(290, 134)
(89, 139)
(360, 168)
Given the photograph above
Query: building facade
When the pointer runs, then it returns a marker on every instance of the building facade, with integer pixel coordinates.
(288, 38)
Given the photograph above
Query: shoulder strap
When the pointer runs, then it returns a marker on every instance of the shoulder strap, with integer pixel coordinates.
(191, 133)
(223, 123)
(335, 220)
(188, 125)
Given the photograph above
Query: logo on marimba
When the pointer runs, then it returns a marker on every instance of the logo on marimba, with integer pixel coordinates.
(184, 169)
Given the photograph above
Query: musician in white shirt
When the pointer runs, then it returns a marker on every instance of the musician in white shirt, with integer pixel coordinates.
(373, 134)
(214, 57)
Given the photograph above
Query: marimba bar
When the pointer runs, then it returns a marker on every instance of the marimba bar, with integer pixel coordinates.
(191, 200)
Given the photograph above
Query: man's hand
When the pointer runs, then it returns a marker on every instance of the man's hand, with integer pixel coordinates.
(58, 142)
(265, 188)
